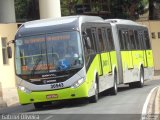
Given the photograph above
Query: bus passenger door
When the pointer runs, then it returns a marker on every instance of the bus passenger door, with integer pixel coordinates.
(98, 55)
(143, 47)
(105, 54)
(148, 52)
(127, 53)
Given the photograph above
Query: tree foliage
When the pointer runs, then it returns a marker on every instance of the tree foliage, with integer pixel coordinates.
(130, 9)
(26, 10)
(154, 9)
(124, 9)
(21, 8)
(127, 9)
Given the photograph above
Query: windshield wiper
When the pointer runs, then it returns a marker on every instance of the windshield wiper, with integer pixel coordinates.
(35, 66)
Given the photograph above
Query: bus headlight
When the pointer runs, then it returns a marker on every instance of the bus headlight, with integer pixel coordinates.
(78, 83)
(24, 89)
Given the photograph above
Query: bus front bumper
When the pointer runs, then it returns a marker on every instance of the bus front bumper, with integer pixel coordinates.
(52, 95)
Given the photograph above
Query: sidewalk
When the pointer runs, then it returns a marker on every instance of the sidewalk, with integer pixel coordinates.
(8, 97)
(153, 106)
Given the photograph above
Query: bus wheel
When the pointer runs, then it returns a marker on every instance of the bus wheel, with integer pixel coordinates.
(114, 89)
(94, 98)
(140, 83)
(38, 105)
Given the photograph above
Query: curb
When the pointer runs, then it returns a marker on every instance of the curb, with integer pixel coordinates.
(153, 104)
(2, 103)
(157, 100)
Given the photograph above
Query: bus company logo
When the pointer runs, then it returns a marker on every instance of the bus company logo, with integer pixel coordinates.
(48, 75)
(49, 81)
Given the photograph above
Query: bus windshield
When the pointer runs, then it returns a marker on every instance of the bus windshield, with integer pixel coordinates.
(41, 54)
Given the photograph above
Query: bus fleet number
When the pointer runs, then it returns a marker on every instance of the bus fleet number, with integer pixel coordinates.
(57, 85)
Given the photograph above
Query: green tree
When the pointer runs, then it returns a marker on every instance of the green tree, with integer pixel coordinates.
(68, 6)
(127, 9)
(26, 10)
(154, 9)
(20, 9)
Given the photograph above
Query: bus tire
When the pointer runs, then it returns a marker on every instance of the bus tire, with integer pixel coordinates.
(132, 85)
(140, 83)
(38, 105)
(114, 89)
(94, 98)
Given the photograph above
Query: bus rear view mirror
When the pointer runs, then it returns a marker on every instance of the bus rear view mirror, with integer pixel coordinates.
(9, 52)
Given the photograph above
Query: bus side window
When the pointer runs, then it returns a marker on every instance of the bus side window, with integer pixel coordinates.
(147, 40)
(110, 39)
(121, 40)
(125, 40)
(133, 43)
(141, 40)
(106, 42)
(101, 41)
(137, 40)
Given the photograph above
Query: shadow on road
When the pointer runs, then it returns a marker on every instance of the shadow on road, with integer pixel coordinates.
(79, 102)
(63, 104)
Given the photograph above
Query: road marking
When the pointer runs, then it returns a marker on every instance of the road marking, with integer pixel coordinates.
(49, 117)
(144, 111)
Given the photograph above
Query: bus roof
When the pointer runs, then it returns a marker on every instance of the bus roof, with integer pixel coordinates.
(61, 21)
(122, 22)
(61, 24)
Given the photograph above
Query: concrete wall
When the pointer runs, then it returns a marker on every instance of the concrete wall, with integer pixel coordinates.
(49, 8)
(7, 11)
(7, 73)
(154, 27)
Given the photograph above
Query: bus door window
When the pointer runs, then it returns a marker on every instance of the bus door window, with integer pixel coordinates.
(148, 51)
(110, 39)
(89, 45)
(132, 40)
(146, 39)
(101, 41)
(138, 46)
(126, 40)
(144, 47)
(122, 46)
(104, 56)
(107, 41)
(140, 35)
(127, 54)
(98, 43)
(91, 39)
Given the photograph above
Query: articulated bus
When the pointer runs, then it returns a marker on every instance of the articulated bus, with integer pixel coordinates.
(79, 57)
(134, 54)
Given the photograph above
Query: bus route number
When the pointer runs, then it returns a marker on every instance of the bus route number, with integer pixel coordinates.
(57, 85)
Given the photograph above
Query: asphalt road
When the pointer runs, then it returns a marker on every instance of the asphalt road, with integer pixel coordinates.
(127, 104)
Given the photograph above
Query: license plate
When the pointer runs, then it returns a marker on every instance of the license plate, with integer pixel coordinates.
(52, 96)
(57, 85)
